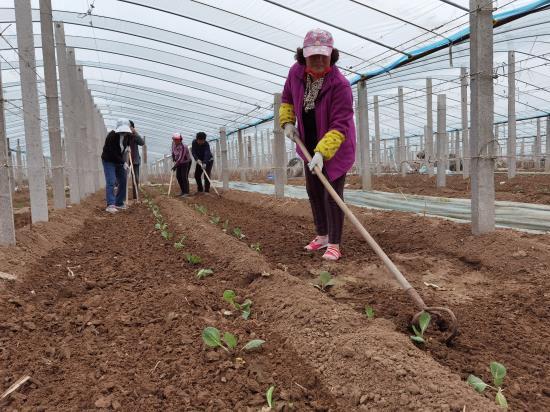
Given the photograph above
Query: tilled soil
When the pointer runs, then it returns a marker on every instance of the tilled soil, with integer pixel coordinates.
(122, 328)
(522, 188)
(125, 331)
(498, 285)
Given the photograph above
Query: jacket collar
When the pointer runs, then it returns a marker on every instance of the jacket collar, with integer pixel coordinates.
(329, 78)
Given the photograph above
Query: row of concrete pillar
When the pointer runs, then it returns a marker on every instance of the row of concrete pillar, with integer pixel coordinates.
(77, 156)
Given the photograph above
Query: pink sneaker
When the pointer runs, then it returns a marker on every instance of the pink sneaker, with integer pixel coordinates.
(333, 253)
(317, 244)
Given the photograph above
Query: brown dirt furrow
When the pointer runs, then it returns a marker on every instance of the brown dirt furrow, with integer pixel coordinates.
(125, 332)
(497, 284)
(355, 359)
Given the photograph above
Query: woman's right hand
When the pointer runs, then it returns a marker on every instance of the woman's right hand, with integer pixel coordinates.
(291, 132)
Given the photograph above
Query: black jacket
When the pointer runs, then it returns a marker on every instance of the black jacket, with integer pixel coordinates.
(201, 151)
(111, 148)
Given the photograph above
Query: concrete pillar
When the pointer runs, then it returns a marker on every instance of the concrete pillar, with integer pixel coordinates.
(401, 146)
(52, 102)
(457, 151)
(9, 157)
(429, 127)
(481, 112)
(547, 149)
(93, 185)
(249, 155)
(537, 146)
(7, 224)
(19, 170)
(441, 140)
(269, 149)
(69, 118)
(464, 117)
(83, 135)
(241, 155)
(144, 170)
(278, 148)
(256, 152)
(225, 166)
(262, 150)
(285, 161)
(377, 136)
(511, 146)
(522, 151)
(99, 139)
(31, 112)
(496, 145)
(363, 129)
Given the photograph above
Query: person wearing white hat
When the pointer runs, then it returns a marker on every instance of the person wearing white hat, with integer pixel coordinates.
(114, 158)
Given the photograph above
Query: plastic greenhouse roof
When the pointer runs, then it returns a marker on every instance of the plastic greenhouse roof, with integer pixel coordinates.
(199, 65)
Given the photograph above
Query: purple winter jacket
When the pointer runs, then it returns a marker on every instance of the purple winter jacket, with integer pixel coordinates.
(333, 110)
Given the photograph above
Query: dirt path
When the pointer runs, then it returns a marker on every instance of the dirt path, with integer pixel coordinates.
(498, 285)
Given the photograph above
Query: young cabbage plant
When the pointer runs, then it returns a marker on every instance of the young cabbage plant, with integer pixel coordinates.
(201, 209)
(229, 296)
(498, 371)
(213, 338)
(369, 312)
(215, 220)
(325, 280)
(423, 322)
(201, 274)
(269, 396)
(256, 246)
(238, 233)
(193, 259)
(161, 226)
(225, 226)
(179, 245)
(166, 234)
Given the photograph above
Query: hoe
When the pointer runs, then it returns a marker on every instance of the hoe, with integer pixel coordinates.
(405, 285)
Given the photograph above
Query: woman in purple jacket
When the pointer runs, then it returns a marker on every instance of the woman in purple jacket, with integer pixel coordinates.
(182, 163)
(319, 98)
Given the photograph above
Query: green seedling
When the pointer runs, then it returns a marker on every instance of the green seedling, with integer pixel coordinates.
(212, 337)
(256, 247)
(229, 296)
(325, 280)
(238, 233)
(215, 220)
(201, 209)
(179, 245)
(161, 226)
(269, 396)
(369, 312)
(166, 234)
(226, 226)
(498, 371)
(423, 322)
(193, 259)
(201, 274)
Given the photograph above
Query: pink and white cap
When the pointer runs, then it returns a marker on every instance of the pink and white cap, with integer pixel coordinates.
(318, 41)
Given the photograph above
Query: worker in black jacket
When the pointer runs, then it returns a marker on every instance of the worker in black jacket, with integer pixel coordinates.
(115, 165)
(200, 149)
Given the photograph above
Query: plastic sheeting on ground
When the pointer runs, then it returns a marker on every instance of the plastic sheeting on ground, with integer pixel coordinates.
(514, 215)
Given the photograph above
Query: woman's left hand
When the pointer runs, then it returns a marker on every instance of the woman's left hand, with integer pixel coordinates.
(317, 160)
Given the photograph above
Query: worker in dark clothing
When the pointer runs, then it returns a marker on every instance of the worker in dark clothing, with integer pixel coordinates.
(115, 164)
(200, 149)
(135, 141)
